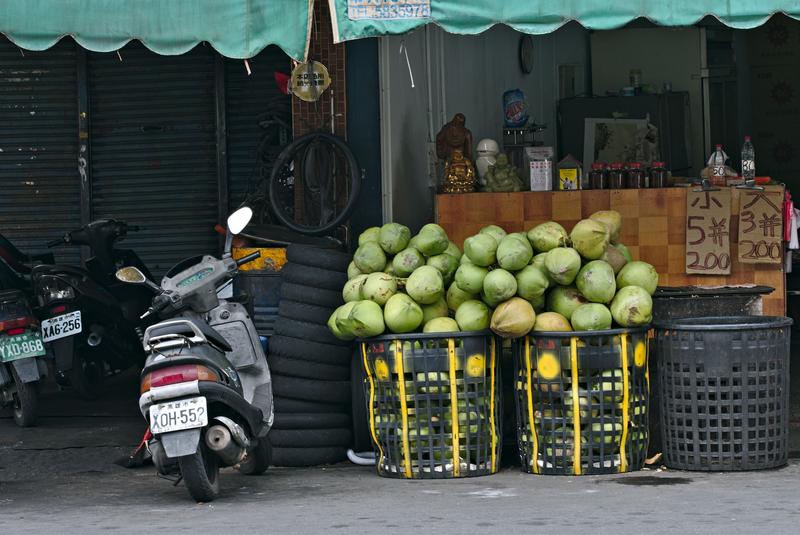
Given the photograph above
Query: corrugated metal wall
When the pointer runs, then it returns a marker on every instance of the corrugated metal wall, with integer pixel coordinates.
(248, 100)
(152, 144)
(153, 150)
(39, 185)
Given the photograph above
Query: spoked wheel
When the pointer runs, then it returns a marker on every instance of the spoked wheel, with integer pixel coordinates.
(26, 401)
(320, 169)
(258, 459)
(200, 473)
(86, 376)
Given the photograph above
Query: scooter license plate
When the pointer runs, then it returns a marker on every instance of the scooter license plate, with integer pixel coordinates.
(62, 326)
(178, 415)
(21, 346)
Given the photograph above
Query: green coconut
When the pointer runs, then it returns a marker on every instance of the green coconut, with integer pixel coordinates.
(372, 234)
(612, 220)
(596, 282)
(564, 300)
(456, 297)
(590, 238)
(473, 315)
(632, 307)
(446, 264)
(481, 249)
(406, 261)
(591, 317)
(352, 289)
(435, 310)
(499, 285)
(469, 278)
(379, 287)
(441, 325)
(513, 318)
(394, 237)
(548, 236)
(514, 252)
(432, 240)
(494, 231)
(639, 274)
(562, 265)
(425, 285)
(401, 314)
(370, 258)
(532, 282)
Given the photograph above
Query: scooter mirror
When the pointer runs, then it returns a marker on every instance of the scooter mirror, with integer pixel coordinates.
(238, 220)
(131, 275)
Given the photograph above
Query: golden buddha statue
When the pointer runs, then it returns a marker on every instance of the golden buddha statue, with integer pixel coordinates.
(459, 174)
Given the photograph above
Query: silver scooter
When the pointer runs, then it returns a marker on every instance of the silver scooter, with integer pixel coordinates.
(206, 389)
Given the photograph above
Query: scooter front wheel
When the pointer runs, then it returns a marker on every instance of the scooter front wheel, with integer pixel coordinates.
(200, 472)
(26, 401)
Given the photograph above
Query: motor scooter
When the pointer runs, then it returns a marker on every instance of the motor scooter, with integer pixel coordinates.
(88, 318)
(206, 389)
(21, 365)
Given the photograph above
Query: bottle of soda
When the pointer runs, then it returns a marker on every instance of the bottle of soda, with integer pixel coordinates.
(748, 160)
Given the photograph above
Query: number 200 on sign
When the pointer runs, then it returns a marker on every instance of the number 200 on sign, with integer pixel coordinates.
(711, 261)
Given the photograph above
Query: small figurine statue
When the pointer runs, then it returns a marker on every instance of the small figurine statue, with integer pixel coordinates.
(459, 174)
(502, 177)
(454, 135)
(487, 152)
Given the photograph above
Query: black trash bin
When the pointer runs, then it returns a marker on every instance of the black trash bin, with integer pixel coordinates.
(724, 392)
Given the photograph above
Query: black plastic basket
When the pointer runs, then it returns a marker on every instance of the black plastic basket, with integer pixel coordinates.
(724, 392)
(435, 404)
(582, 401)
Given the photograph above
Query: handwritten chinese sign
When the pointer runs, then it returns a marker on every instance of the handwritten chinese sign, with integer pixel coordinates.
(761, 226)
(388, 9)
(708, 223)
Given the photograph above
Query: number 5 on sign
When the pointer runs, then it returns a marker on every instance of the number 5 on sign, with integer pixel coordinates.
(761, 226)
(708, 227)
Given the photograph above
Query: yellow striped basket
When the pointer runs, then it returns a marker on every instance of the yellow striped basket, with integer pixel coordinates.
(582, 401)
(434, 404)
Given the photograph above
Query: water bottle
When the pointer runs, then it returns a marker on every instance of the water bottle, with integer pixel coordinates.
(717, 164)
(748, 160)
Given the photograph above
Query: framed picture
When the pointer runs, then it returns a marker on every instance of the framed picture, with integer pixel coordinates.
(619, 140)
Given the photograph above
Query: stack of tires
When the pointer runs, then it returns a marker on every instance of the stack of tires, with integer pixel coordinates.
(310, 367)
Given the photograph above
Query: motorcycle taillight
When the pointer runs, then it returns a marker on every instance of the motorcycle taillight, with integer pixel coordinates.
(16, 324)
(177, 374)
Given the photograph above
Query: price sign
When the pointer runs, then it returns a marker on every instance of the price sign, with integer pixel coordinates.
(708, 221)
(761, 226)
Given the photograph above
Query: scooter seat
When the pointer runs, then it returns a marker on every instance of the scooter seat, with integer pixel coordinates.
(183, 328)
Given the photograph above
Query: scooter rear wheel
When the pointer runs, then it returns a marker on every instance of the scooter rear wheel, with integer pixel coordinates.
(200, 472)
(26, 401)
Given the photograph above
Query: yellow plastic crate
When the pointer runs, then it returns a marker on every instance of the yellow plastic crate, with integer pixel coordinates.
(272, 258)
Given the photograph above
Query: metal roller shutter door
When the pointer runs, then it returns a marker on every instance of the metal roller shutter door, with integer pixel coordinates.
(153, 150)
(39, 184)
(247, 98)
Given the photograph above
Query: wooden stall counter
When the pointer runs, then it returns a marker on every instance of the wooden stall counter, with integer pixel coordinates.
(653, 228)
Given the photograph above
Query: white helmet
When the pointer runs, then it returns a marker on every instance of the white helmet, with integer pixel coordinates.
(488, 147)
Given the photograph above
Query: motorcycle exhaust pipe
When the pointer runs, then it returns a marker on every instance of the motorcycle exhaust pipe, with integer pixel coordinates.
(94, 339)
(219, 440)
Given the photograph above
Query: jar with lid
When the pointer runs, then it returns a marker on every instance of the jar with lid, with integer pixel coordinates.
(658, 175)
(598, 176)
(616, 176)
(636, 178)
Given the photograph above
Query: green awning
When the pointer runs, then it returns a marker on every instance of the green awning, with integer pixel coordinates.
(235, 28)
(354, 19)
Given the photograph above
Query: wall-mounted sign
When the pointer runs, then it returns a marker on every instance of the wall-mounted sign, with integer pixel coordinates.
(388, 9)
(761, 226)
(310, 80)
(708, 227)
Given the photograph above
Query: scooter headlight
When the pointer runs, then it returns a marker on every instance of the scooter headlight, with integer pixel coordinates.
(52, 289)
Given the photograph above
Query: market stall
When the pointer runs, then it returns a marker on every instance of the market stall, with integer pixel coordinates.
(654, 228)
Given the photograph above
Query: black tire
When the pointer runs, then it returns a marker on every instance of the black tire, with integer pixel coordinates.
(311, 296)
(303, 312)
(287, 156)
(313, 277)
(308, 255)
(298, 348)
(362, 438)
(258, 459)
(299, 406)
(288, 421)
(337, 392)
(200, 472)
(298, 457)
(86, 377)
(25, 401)
(307, 370)
(310, 438)
(308, 331)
